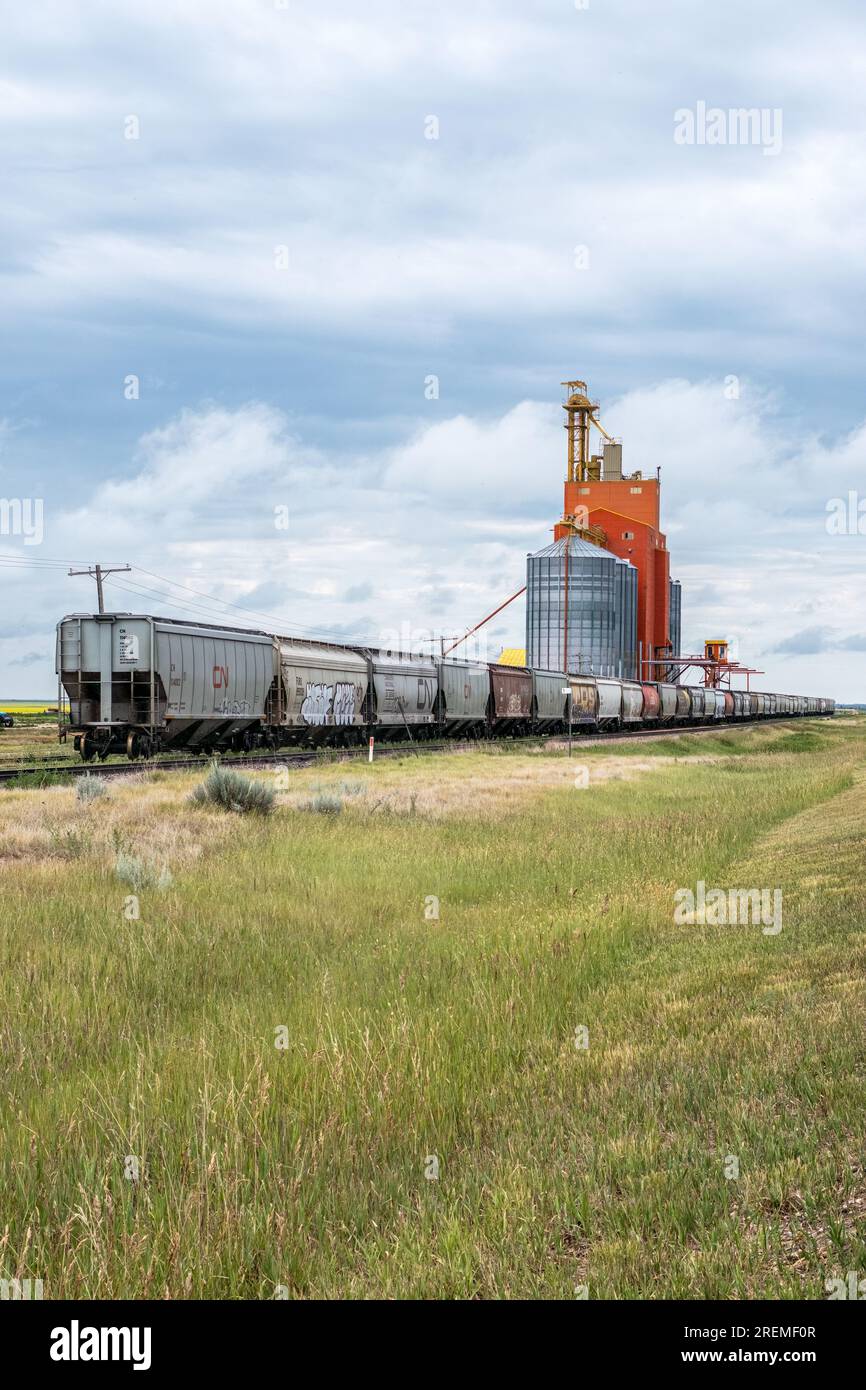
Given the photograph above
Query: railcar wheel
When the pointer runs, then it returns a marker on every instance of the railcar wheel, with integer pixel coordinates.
(86, 748)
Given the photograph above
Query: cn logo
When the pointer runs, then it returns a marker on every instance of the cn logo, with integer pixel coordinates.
(220, 677)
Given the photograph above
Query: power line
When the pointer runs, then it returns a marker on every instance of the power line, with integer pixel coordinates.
(248, 612)
(278, 625)
(273, 623)
(28, 562)
(151, 595)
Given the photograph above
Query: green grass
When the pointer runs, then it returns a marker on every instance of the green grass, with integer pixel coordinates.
(37, 779)
(409, 1037)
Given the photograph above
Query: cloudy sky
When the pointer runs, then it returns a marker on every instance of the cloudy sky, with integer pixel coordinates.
(329, 263)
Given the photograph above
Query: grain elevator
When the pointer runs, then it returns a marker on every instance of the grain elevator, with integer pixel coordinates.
(600, 600)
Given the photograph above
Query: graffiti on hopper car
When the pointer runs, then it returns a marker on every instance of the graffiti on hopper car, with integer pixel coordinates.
(322, 701)
(236, 708)
(317, 703)
(344, 703)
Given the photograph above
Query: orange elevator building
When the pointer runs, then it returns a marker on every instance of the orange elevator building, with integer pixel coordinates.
(619, 513)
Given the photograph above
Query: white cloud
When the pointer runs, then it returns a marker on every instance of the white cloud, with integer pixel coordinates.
(497, 463)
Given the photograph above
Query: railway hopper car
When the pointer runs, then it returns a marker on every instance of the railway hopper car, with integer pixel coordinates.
(609, 703)
(321, 693)
(464, 694)
(510, 707)
(668, 700)
(697, 704)
(632, 703)
(715, 705)
(584, 702)
(651, 703)
(404, 693)
(549, 702)
(138, 683)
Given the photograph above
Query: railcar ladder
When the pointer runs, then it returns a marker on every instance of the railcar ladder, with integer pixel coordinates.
(69, 661)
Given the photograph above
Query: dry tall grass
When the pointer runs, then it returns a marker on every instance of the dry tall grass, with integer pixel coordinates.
(340, 1055)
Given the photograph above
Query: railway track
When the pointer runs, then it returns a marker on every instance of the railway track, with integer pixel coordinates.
(309, 757)
(303, 758)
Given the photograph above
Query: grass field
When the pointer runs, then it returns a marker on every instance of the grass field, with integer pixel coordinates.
(431, 1124)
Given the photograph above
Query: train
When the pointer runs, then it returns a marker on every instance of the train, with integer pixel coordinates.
(138, 684)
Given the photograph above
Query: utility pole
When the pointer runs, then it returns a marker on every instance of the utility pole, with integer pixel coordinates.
(566, 690)
(98, 573)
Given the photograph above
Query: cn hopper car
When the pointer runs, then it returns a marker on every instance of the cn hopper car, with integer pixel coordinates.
(139, 684)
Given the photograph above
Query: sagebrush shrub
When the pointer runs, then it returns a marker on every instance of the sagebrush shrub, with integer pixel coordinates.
(232, 791)
(139, 874)
(324, 804)
(89, 787)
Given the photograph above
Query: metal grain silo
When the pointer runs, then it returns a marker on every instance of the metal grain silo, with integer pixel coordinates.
(581, 610)
(676, 592)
